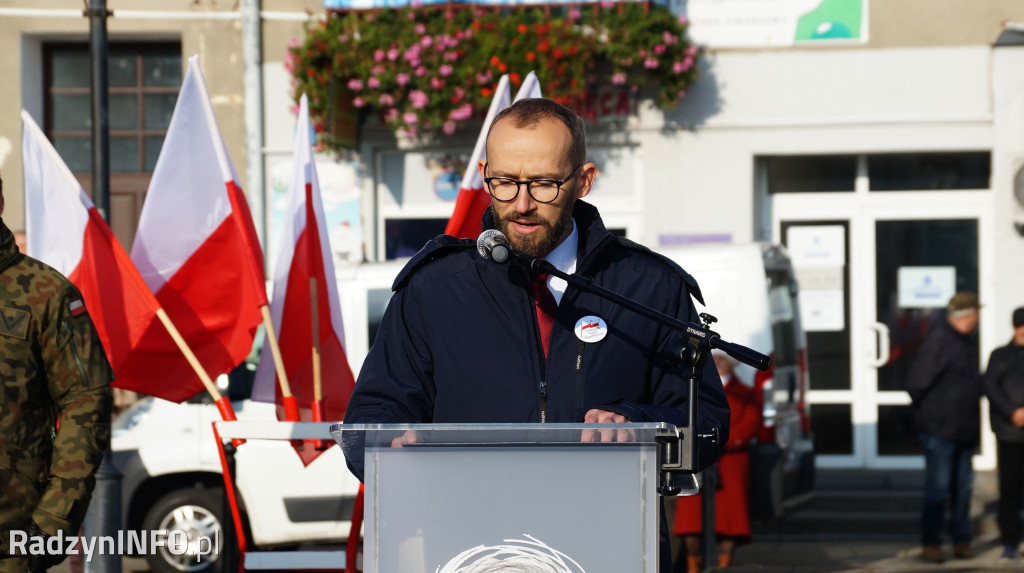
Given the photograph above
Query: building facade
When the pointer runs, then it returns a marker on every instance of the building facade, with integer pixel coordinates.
(890, 162)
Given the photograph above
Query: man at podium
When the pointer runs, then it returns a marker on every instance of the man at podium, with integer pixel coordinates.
(466, 339)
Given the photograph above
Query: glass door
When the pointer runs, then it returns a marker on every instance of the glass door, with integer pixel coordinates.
(919, 265)
(878, 243)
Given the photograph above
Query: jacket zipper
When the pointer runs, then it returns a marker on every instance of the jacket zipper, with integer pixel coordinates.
(543, 398)
(578, 390)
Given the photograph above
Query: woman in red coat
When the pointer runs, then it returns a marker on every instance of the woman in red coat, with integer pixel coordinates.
(732, 518)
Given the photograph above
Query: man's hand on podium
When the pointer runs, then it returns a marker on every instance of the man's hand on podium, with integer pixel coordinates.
(605, 417)
(409, 437)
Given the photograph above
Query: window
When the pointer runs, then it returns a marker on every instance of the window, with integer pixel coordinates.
(144, 79)
(405, 237)
(809, 173)
(929, 171)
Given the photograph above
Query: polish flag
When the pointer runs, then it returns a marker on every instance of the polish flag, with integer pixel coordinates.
(304, 265)
(67, 232)
(197, 250)
(473, 199)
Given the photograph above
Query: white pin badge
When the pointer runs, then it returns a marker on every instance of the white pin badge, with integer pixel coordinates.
(591, 329)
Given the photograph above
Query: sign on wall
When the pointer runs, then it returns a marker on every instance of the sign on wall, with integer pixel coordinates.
(818, 255)
(925, 287)
(763, 23)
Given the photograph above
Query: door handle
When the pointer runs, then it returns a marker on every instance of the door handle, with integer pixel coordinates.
(881, 355)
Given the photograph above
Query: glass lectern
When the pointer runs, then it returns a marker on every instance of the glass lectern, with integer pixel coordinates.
(550, 498)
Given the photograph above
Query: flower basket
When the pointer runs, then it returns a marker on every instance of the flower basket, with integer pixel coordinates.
(430, 69)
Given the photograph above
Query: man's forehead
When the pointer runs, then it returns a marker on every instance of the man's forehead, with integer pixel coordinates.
(541, 145)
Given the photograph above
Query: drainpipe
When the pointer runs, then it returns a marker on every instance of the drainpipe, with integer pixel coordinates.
(252, 55)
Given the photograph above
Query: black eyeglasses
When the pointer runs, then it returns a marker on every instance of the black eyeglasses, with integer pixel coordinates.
(505, 189)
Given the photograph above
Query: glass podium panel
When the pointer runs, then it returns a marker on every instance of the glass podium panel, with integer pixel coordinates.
(461, 497)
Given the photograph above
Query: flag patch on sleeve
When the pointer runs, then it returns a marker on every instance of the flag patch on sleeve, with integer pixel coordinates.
(76, 307)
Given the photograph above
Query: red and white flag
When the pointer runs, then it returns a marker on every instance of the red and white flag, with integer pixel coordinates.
(304, 265)
(473, 199)
(65, 231)
(197, 250)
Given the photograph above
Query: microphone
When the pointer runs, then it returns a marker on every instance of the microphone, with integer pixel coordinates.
(493, 246)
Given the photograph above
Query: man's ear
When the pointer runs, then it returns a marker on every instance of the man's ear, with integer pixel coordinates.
(587, 175)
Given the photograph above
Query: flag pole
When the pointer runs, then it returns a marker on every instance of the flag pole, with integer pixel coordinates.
(318, 405)
(223, 404)
(288, 400)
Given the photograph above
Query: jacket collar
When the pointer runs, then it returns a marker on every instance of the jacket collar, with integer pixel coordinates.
(592, 232)
(9, 254)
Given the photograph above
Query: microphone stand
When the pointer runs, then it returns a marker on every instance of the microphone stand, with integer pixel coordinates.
(679, 452)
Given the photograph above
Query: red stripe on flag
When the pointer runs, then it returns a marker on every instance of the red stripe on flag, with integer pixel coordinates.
(469, 210)
(121, 306)
(296, 334)
(215, 311)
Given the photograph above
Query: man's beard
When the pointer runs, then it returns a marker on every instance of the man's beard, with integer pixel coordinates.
(540, 243)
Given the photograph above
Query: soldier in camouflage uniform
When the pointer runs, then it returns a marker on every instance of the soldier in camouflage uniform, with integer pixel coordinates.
(54, 373)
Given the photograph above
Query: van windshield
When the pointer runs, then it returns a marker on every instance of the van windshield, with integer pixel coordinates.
(783, 309)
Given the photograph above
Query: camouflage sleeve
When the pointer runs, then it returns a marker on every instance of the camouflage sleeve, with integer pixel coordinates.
(79, 383)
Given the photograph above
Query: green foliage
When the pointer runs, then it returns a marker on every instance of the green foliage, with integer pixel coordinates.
(425, 69)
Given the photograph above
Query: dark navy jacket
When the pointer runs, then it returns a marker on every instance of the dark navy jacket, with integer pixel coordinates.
(945, 386)
(459, 343)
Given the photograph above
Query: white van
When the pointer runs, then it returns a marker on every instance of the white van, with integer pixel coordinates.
(172, 475)
(751, 290)
(171, 471)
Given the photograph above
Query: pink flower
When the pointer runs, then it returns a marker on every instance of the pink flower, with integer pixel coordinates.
(378, 55)
(411, 16)
(343, 38)
(387, 100)
(358, 102)
(426, 41)
(607, 4)
(420, 29)
(391, 115)
(681, 94)
(416, 3)
(451, 56)
(659, 49)
(618, 79)
(677, 68)
(436, 83)
(692, 51)
(294, 109)
(574, 14)
(415, 63)
(413, 53)
(669, 38)
(642, 54)
(445, 70)
(410, 118)
(373, 83)
(651, 63)
(461, 113)
(402, 79)
(377, 70)
(459, 92)
(682, 19)
(420, 72)
(687, 63)
(392, 54)
(448, 128)
(370, 17)
(411, 132)
(418, 99)
(355, 84)
(294, 42)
